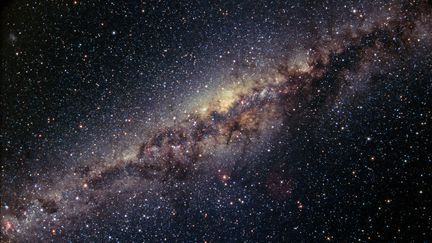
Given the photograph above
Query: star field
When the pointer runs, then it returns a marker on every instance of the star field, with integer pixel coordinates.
(216, 121)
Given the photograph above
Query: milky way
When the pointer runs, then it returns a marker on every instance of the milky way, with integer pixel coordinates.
(274, 149)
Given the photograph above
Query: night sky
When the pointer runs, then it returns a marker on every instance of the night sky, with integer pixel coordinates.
(216, 121)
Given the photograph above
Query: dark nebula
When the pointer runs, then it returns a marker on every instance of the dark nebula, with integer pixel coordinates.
(216, 121)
